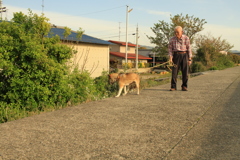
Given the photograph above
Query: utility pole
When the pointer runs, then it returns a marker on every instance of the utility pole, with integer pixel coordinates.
(137, 48)
(42, 6)
(126, 49)
(2, 9)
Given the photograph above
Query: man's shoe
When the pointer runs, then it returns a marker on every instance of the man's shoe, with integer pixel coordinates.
(173, 89)
(184, 88)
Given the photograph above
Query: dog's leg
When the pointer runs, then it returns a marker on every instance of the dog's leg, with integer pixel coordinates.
(119, 91)
(126, 90)
(137, 85)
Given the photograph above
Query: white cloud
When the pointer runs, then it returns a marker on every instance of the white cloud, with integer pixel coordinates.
(167, 14)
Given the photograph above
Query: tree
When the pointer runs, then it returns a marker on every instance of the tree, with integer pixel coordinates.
(164, 31)
(32, 23)
(80, 32)
(207, 41)
(33, 66)
(67, 32)
(208, 49)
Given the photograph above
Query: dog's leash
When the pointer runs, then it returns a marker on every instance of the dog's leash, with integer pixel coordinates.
(170, 64)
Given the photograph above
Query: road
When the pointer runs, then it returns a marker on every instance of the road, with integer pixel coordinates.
(202, 123)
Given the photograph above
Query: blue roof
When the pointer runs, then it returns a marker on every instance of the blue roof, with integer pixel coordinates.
(73, 37)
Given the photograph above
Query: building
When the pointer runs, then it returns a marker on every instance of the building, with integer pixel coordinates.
(223, 52)
(235, 52)
(155, 57)
(118, 54)
(92, 53)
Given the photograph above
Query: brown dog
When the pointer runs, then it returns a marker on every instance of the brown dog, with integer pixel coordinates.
(113, 77)
(125, 79)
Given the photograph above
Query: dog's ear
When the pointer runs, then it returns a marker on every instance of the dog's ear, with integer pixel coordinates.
(118, 76)
(109, 79)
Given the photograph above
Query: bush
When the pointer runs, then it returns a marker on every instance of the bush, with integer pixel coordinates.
(82, 87)
(146, 65)
(197, 67)
(10, 112)
(224, 61)
(141, 65)
(31, 78)
(235, 58)
(104, 89)
(34, 74)
(125, 66)
(213, 68)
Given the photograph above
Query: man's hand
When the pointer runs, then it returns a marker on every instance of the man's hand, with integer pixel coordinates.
(189, 63)
(170, 59)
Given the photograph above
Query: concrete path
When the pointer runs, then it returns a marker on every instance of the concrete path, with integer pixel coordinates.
(202, 123)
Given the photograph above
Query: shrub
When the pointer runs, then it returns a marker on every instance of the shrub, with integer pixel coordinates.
(34, 75)
(104, 89)
(141, 65)
(235, 58)
(82, 87)
(224, 61)
(146, 65)
(213, 68)
(125, 65)
(129, 65)
(10, 112)
(197, 67)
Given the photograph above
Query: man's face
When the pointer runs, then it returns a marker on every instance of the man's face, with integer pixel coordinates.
(178, 33)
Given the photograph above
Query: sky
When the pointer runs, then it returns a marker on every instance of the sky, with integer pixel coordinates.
(107, 19)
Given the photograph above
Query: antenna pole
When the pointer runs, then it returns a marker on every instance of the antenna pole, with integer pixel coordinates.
(137, 48)
(42, 6)
(2, 9)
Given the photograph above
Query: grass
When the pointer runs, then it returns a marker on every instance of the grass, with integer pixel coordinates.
(155, 80)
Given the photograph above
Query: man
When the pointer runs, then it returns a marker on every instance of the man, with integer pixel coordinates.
(180, 54)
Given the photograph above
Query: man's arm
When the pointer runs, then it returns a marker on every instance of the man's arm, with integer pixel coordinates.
(189, 50)
(170, 50)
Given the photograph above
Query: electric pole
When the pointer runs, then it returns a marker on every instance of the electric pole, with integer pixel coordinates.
(2, 9)
(42, 6)
(137, 48)
(126, 49)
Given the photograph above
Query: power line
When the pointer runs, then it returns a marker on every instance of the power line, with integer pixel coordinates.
(89, 12)
(104, 30)
(98, 11)
(112, 33)
(101, 11)
(114, 36)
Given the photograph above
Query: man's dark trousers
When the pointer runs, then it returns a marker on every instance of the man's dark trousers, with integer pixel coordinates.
(180, 61)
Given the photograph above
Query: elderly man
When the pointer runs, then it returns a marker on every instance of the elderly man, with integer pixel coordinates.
(179, 50)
